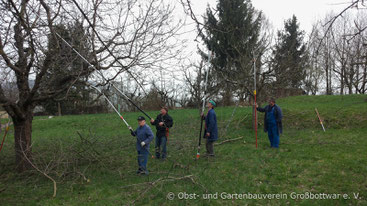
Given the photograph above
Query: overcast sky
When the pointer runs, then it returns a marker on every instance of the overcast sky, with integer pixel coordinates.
(277, 11)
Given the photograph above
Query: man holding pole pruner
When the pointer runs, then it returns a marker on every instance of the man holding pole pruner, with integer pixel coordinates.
(162, 123)
(211, 128)
(272, 122)
(144, 136)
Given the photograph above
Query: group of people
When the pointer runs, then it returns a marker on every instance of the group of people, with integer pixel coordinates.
(144, 134)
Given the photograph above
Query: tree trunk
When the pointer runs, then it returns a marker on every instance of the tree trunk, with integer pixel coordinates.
(59, 108)
(342, 79)
(327, 78)
(227, 95)
(22, 140)
(365, 75)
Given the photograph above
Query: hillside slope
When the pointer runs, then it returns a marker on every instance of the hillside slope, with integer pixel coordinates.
(93, 159)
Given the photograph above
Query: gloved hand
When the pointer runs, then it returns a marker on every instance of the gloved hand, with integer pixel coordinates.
(132, 131)
(142, 144)
(202, 116)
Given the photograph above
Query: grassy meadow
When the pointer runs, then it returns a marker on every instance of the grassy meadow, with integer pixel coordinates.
(93, 160)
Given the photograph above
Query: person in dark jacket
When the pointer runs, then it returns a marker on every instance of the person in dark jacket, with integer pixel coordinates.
(162, 123)
(211, 128)
(272, 122)
(144, 136)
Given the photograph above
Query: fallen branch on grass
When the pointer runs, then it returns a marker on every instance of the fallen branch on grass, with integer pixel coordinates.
(85, 141)
(241, 120)
(160, 180)
(230, 119)
(30, 162)
(228, 140)
(186, 167)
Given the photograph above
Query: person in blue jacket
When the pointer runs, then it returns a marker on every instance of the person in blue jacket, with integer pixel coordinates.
(272, 122)
(144, 136)
(211, 128)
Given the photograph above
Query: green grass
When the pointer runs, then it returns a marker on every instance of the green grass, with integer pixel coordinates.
(99, 169)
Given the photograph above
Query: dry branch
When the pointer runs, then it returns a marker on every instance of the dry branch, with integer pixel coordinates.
(230, 119)
(228, 140)
(34, 166)
(169, 178)
(160, 180)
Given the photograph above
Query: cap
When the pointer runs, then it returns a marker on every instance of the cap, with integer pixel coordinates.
(213, 103)
(141, 118)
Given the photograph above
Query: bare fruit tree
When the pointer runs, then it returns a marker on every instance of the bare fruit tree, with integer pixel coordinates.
(354, 4)
(123, 37)
(338, 55)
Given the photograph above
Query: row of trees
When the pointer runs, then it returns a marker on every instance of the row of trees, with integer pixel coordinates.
(338, 55)
(133, 44)
(241, 40)
(238, 36)
(332, 59)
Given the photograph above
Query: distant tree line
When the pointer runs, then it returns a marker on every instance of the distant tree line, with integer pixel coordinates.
(141, 54)
(330, 60)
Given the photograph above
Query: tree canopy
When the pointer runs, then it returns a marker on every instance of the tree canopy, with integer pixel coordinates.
(289, 56)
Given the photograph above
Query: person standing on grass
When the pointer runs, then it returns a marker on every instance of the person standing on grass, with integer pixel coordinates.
(144, 136)
(272, 122)
(211, 128)
(162, 123)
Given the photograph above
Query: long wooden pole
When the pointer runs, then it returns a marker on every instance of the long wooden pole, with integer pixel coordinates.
(203, 106)
(255, 100)
(318, 115)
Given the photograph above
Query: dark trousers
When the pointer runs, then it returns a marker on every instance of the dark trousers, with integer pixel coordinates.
(273, 136)
(160, 142)
(143, 159)
(209, 147)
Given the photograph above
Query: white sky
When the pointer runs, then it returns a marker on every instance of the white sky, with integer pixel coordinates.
(277, 11)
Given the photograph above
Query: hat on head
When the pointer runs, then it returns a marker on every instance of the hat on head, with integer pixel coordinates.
(213, 103)
(141, 118)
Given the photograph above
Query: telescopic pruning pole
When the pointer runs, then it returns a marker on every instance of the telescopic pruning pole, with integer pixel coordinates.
(5, 133)
(118, 113)
(255, 110)
(99, 72)
(117, 60)
(104, 44)
(131, 101)
(114, 108)
(203, 105)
